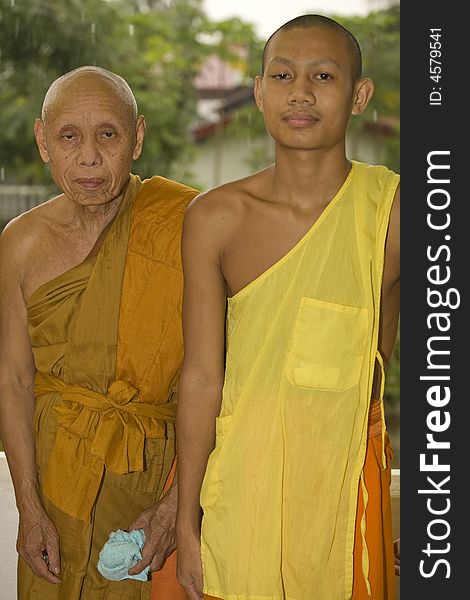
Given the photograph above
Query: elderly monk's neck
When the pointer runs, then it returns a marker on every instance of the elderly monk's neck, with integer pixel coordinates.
(91, 217)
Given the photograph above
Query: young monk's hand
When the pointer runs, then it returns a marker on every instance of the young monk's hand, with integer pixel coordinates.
(38, 543)
(189, 568)
(396, 548)
(158, 523)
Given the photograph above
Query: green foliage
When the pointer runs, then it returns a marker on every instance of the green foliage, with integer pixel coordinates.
(378, 35)
(157, 46)
(39, 42)
(160, 61)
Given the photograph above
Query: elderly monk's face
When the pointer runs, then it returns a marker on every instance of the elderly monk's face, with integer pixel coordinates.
(90, 138)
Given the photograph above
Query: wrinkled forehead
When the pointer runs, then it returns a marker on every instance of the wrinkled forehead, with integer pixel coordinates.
(88, 92)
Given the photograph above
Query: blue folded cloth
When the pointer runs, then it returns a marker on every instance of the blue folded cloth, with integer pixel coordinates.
(121, 552)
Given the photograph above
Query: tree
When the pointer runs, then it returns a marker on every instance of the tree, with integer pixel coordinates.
(379, 37)
(39, 42)
(378, 34)
(156, 45)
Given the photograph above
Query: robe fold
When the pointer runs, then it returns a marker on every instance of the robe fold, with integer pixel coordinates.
(107, 343)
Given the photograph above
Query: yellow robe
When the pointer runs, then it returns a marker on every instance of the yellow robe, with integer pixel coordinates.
(107, 343)
(280, 492)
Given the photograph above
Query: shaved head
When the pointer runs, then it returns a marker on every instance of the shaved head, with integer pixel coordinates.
(89, 134)
(90, 77)
(317, 21)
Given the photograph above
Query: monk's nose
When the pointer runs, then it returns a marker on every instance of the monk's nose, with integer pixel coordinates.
(302, 93)
(89, 154)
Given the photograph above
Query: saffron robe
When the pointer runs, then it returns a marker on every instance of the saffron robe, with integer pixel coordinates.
(107, 344)
(280, 492)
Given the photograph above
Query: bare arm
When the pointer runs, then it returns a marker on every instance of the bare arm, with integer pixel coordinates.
(17, 409)
(391, 304)
(16, 377)
(391, 283)
(200, 389)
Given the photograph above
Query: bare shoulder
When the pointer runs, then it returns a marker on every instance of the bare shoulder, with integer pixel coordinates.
(23, 237)
(223, 206)
(223, 198)
(32, 223)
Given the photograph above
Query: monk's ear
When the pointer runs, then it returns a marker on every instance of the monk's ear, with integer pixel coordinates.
(40, 136)
(140, 128)
(258, 92)
(363, 92)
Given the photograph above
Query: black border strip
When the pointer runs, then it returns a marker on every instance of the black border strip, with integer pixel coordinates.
(434, 131)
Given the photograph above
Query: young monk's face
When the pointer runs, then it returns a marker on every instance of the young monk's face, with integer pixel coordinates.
(90, 138)
(307, 93)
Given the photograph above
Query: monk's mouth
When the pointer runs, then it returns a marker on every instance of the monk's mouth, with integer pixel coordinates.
(89, 183)
(300, 120)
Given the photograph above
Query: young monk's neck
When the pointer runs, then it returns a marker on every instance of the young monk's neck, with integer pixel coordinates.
(303, 178)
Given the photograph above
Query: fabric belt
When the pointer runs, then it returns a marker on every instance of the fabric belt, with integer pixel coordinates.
(96, 431)
(375, 419)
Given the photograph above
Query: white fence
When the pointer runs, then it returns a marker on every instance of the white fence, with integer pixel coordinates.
(16, 199)
(8, 527)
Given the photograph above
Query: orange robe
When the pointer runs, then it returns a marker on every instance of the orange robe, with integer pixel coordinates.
(107, 343)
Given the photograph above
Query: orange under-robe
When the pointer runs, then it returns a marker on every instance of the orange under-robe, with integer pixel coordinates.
(107, 343)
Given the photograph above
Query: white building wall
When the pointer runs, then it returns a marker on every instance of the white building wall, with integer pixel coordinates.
(220, 159)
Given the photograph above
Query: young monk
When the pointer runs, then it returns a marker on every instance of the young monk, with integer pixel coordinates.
(290, 312)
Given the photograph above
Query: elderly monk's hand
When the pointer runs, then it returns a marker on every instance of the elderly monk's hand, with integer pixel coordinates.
(38, 543)
(158, 523)
(396, 548)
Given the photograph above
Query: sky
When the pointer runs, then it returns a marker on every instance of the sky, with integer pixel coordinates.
(268, 15)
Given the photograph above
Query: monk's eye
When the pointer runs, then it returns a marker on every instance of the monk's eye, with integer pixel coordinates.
(69, 137)
(281, 76)
(108, 134)
(324, 76)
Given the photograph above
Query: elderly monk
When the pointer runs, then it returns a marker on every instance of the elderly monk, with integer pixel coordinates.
(91, 347)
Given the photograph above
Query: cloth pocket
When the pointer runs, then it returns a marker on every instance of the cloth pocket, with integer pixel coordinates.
(211, 485)
(327, 346)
